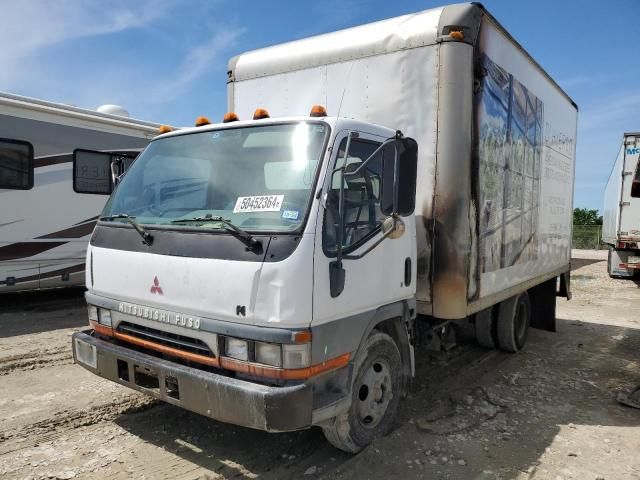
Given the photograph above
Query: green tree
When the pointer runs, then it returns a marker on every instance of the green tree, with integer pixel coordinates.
(586, 216)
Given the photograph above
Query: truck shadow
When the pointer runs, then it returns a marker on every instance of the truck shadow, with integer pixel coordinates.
(469, 411)
(35, 312)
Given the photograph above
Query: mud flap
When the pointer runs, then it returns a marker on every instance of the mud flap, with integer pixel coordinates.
(543, 305)
(565, 285)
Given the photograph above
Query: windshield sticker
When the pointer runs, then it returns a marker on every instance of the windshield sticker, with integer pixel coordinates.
(290, 214)
(259, 203)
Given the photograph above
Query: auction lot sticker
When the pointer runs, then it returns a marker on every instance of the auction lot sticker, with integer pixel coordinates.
(259, 203)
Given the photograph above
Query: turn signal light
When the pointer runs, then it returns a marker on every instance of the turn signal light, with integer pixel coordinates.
(164, 129)
(230, 117)
(318, 111)
(201, 121)
(457, 35)
(301, 336)
(260, 113)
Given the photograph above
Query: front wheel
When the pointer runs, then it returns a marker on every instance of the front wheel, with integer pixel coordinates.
(376, 393)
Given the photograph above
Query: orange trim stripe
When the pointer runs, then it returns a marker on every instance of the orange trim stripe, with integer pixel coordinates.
(193, 357)
(101, 329)
(248, 368)
(281, 373)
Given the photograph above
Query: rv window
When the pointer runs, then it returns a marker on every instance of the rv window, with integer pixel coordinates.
(16, 164)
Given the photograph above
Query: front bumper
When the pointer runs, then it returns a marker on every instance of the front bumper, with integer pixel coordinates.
(222, 398)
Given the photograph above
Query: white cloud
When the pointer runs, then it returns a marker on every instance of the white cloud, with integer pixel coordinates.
(28, 27)
(577, 80)
(198, 60)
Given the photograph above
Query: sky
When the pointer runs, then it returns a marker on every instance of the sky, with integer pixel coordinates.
(165, 60)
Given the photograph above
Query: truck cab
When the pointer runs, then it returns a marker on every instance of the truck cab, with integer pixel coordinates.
(261, 273)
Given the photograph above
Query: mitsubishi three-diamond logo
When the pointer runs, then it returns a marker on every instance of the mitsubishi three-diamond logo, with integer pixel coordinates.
(156, 288)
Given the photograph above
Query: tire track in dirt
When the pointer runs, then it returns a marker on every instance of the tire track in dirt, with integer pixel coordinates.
(31, 435)
(35, 359)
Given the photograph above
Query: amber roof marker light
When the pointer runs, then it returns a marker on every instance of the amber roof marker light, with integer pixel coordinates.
(164, 129)
(457, 35)
(230, 117)
(318, 111)
(260, 113)
(201, 121)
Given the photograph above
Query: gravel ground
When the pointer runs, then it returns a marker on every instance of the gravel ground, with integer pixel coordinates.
(548, 412)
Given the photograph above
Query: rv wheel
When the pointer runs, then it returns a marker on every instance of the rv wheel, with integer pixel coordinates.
(376, 392)
(514, 317)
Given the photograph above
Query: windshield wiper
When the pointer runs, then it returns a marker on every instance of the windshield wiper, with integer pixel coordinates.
(147, 238)
(242, 235)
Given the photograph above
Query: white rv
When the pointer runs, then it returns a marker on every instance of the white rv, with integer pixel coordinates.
(278, 271)
(44, 224)
(621, 225)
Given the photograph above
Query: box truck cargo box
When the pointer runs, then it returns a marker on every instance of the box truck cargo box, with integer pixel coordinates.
(621, 225)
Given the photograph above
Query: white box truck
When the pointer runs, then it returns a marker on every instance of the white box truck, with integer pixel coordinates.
(44, 224)
(277, 272)
(621, 223)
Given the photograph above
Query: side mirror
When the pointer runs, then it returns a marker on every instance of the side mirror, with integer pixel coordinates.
(92, 172)
(98, 172)
(398, 197)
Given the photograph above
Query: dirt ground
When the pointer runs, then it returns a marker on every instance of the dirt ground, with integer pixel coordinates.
(548, 412)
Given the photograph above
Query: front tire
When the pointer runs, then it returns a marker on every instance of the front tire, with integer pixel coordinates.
(376, 392)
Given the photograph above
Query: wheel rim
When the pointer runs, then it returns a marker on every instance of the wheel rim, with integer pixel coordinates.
(374, 393)
(521, 322)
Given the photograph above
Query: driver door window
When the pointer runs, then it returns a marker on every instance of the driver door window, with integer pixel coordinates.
(362, 215)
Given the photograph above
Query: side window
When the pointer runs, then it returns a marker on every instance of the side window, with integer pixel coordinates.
(16, 164)
(362, 215)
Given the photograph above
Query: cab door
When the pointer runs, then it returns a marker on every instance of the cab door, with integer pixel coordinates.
(382, 276)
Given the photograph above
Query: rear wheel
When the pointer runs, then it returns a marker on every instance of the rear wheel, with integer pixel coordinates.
(376, 393)
(514, 318)
(485, 328)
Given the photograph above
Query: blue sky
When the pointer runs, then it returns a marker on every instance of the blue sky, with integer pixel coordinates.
(165, 60)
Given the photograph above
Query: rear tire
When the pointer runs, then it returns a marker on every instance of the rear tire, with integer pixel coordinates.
(485, 328)
(514, 318)
(376, 392)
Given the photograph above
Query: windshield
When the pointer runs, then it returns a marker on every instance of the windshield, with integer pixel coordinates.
(259, 178)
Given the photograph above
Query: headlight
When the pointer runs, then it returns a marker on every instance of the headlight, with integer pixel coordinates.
(269, 354)
(296, 356)
(105, 317)
(93, 313)
(236, 348)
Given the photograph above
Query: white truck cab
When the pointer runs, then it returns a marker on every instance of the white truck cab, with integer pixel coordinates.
(222, 247)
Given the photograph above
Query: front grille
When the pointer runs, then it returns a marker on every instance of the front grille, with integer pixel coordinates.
(173, 340)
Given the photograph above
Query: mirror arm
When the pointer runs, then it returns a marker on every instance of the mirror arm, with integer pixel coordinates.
(375, 152)
(371, 247)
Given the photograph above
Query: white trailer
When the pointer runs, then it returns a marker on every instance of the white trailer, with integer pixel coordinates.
(44, 224)
(278, 273)
(621, 225)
